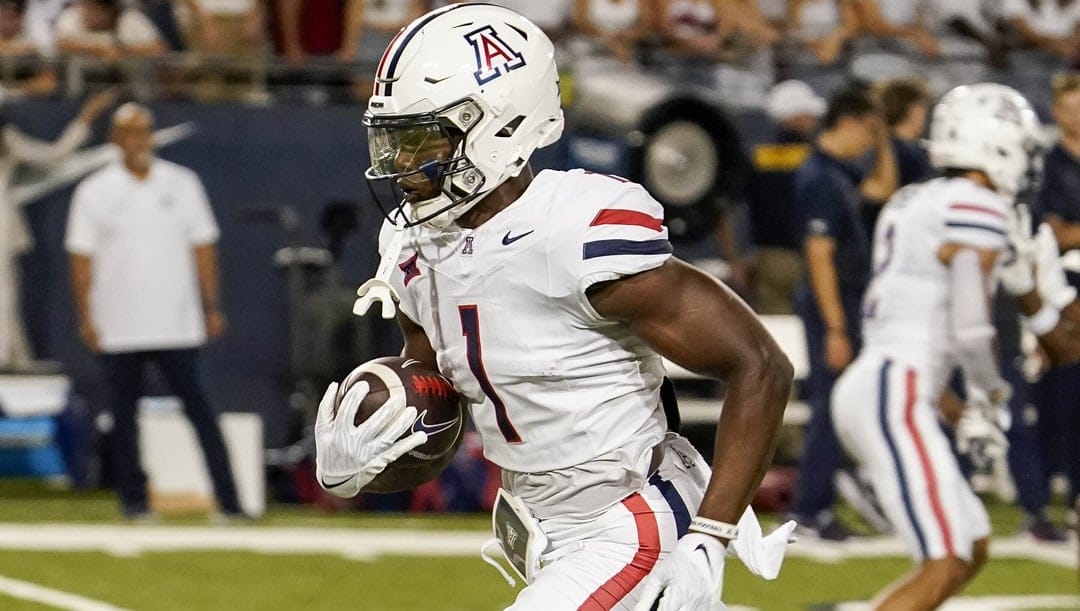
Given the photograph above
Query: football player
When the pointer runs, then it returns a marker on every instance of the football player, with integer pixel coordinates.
(548, 300)
(936, 251)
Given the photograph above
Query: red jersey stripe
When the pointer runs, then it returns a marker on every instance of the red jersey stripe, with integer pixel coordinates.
(615, 589)
(620, 216)
(969, 207)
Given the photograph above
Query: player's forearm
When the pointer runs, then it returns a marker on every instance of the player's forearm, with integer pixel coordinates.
(1062, 340)
(81, 276)
(1067, 234)
(206, 264)
(747, 434)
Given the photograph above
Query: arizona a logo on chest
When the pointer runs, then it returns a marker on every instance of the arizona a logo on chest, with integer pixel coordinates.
(494, 57)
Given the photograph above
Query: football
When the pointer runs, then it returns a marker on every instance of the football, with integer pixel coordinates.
(438, 412)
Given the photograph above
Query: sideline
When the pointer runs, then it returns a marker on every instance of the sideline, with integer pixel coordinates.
(24, 590)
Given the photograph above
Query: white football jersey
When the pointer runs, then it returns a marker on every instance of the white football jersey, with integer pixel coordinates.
(551, 383)
(905, 311)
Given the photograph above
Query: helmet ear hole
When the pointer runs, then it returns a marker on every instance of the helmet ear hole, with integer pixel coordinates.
(508, 130)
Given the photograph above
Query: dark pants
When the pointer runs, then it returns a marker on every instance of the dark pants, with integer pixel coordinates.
(821, 453)
(1057, 396)
(180, 368)
(1027, 455)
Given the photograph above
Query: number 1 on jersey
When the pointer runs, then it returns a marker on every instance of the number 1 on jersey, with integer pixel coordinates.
(470, 328)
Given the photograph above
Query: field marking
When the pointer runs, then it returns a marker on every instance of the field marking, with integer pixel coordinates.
(989, 603)
(25, 590)
(368, 544)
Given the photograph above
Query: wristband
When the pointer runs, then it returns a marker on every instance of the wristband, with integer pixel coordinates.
(715, 528)
(1042, 322)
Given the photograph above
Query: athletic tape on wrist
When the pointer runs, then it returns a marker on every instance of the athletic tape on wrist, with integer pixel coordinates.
(1042, 322)
(715, 528)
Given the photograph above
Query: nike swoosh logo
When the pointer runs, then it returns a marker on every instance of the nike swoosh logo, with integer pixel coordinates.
(701, 548)
(341, 483)
(431, 429)
(507, 240)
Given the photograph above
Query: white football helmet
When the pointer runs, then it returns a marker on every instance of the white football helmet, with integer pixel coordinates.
(988, 127)
(462, 98)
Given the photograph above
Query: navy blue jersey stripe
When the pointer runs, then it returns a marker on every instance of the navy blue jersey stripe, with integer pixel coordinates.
(607, 248)
(678, 506)
(883, 417)
(979, 226)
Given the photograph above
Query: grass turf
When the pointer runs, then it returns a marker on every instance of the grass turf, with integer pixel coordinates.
(227, 581)
(238, 580)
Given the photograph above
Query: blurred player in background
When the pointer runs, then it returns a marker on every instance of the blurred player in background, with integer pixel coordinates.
(936, 248)
(548, 301)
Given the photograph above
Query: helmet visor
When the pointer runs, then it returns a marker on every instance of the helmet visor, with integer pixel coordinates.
(405, 149)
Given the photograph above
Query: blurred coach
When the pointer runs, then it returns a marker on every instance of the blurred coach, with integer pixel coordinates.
(141, 238)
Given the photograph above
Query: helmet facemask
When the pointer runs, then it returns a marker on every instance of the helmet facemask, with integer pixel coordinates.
(430, 179)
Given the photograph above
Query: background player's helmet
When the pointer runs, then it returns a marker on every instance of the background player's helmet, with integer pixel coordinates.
(987, 127)
(481, 76)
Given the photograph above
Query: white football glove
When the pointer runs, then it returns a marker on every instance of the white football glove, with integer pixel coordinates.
(690, 579)
(348, 457)
(980, 434)
(1017, 274)
(1053, 285)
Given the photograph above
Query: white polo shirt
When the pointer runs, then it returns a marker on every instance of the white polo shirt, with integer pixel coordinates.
(140, 235)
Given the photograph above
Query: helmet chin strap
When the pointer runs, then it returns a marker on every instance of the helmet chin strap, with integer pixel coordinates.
(379, 288)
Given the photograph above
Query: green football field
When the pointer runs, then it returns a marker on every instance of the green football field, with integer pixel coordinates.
(70, 551)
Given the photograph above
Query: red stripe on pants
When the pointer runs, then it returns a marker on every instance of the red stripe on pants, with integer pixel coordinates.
(608, 595)
(924, 459)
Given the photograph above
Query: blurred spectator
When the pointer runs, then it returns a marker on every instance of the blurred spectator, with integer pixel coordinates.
(616, 25)
(223, 27)
(309, 27)
(15, 239)
(905, 103)
(141, 237)
(1050, 26)
(721, 44)
(39, 23)
(836, 247)
(713, 30)
(899, 20)
(21, 79)
(105, 30)
(12, 40)
(823, 26)
(777, 267)
(111, 36)
(370, 25)
(963, 26)
(229, 29)
(1058, 393)
(551, 16)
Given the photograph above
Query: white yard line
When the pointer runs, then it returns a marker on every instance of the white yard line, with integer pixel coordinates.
(989, 603)
(367, 544)
(54, 598)
(879, 547)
